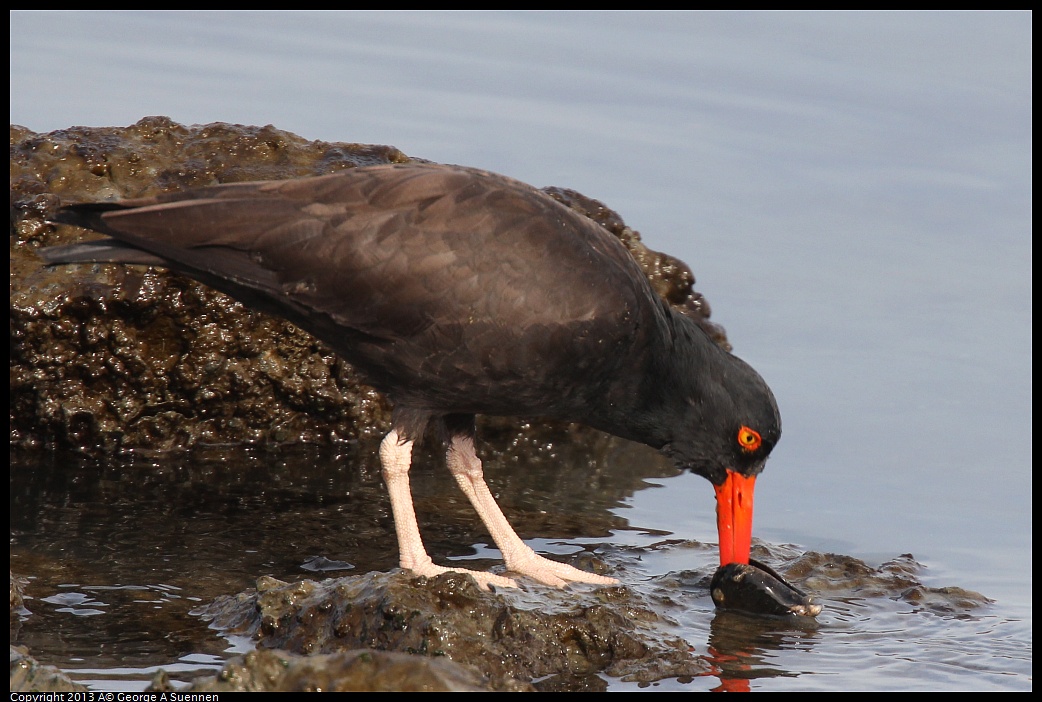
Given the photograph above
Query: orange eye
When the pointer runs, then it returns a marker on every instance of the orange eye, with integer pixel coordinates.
(749, 439)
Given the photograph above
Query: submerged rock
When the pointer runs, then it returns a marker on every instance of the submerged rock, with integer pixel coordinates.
(350, 671)
(563, 640)
(28, 675)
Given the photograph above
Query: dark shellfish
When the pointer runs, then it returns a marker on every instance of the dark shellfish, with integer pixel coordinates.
(757, 589)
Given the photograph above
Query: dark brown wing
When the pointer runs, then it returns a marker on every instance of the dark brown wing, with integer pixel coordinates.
(453, 289)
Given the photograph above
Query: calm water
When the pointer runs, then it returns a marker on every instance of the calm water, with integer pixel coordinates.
(852, 191)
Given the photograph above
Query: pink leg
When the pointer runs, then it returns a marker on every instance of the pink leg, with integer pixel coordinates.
(396, 457)
(519, 557)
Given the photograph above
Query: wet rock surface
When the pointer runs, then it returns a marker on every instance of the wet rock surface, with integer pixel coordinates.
(28, 675)
(834, 575)
(352, 671)
(107, 358)
(562, 638)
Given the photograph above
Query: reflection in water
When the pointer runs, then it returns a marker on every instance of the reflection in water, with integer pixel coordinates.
(739, 646)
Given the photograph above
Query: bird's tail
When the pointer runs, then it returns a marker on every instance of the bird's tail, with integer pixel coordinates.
(88, 215)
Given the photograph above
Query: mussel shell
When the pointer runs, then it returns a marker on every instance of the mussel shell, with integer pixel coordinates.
(756, 589)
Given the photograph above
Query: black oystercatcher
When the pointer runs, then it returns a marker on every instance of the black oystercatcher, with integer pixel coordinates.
(460, 292)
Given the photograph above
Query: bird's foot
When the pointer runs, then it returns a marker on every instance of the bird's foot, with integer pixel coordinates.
(528, 562)
(486, 581)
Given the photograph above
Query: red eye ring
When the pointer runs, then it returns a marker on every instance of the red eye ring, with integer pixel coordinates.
(749, 440)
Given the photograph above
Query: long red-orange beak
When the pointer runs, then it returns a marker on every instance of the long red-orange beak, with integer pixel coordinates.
(734, 517)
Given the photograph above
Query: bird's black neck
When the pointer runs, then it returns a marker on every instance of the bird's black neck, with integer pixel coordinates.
(677, 375)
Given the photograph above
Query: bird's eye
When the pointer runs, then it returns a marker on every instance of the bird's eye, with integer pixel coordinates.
(748, 439)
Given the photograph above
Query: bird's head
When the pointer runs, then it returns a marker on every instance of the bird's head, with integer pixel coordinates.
(731, 427)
